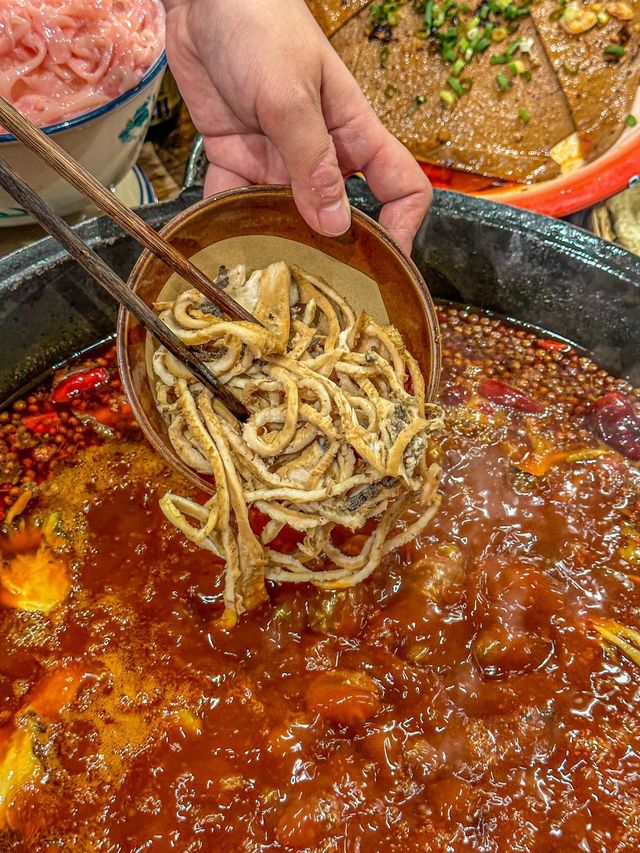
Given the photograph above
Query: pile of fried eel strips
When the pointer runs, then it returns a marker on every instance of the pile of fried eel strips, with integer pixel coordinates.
(333, 437)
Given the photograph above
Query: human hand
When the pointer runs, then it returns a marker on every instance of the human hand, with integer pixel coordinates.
(276, 105)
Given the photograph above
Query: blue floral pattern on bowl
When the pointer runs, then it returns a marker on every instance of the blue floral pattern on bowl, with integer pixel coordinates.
(136, 125)
(13, 213)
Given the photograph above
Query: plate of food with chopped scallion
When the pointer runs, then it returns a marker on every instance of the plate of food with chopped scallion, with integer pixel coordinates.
(531, 103)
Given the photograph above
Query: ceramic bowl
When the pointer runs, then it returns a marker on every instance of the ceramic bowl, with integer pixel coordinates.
(106, 141)
(257, 226)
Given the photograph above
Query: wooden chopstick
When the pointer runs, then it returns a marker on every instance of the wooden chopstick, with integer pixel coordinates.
(113, 284)
(58, 159)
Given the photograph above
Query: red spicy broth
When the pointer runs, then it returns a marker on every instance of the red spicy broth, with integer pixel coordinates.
(479, 692)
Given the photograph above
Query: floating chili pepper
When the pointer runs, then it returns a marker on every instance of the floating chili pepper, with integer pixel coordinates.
(617, 420)
(79, 383)
(41, 424)
(556, 346)
(509, 397)
(285, 542)
(113, 418)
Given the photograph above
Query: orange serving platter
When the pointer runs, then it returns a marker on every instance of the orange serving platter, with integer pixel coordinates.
(588, 185)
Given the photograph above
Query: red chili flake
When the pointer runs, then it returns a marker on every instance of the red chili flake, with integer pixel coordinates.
(617, 420)
(548, 344)
(285, 542)
(509, 397)
(41, 424)
(79, 383)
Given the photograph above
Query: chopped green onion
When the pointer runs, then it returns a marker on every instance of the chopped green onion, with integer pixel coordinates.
(631, 121)
(472, 34)
(616, 50)
(448, 97)
(418, 102)
(527, 75)
(458, 66)
(428, 15)
(499, 59)
(517, 67)
(464, 8)
(488, 30)
(475, 21)
(603, 17)
(502, 4)
(502, 83)
(484, 13)
(481, 45)
(449, 54)
(463, 45)
(455, 85)
(466, 83)
(513, 47)
(524, 116)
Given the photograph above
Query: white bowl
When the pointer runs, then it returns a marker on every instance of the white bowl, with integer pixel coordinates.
(106, 141)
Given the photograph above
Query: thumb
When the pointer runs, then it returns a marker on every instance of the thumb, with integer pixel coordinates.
(300, 134)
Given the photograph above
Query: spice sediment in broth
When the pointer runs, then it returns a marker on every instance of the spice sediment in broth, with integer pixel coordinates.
(478, 692)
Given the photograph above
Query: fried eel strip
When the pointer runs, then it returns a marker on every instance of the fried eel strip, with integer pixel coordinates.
(334, 437)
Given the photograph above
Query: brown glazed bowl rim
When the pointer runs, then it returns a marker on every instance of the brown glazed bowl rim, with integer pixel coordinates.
(172, 229)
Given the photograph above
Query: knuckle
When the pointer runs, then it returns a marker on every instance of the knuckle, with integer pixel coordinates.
(326, 178)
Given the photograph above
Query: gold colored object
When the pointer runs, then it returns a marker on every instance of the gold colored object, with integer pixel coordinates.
(621, 11)
(621, 637)
(577, 20)
(618, 219)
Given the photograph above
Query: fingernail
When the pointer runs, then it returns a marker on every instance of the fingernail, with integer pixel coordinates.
(335, 219)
